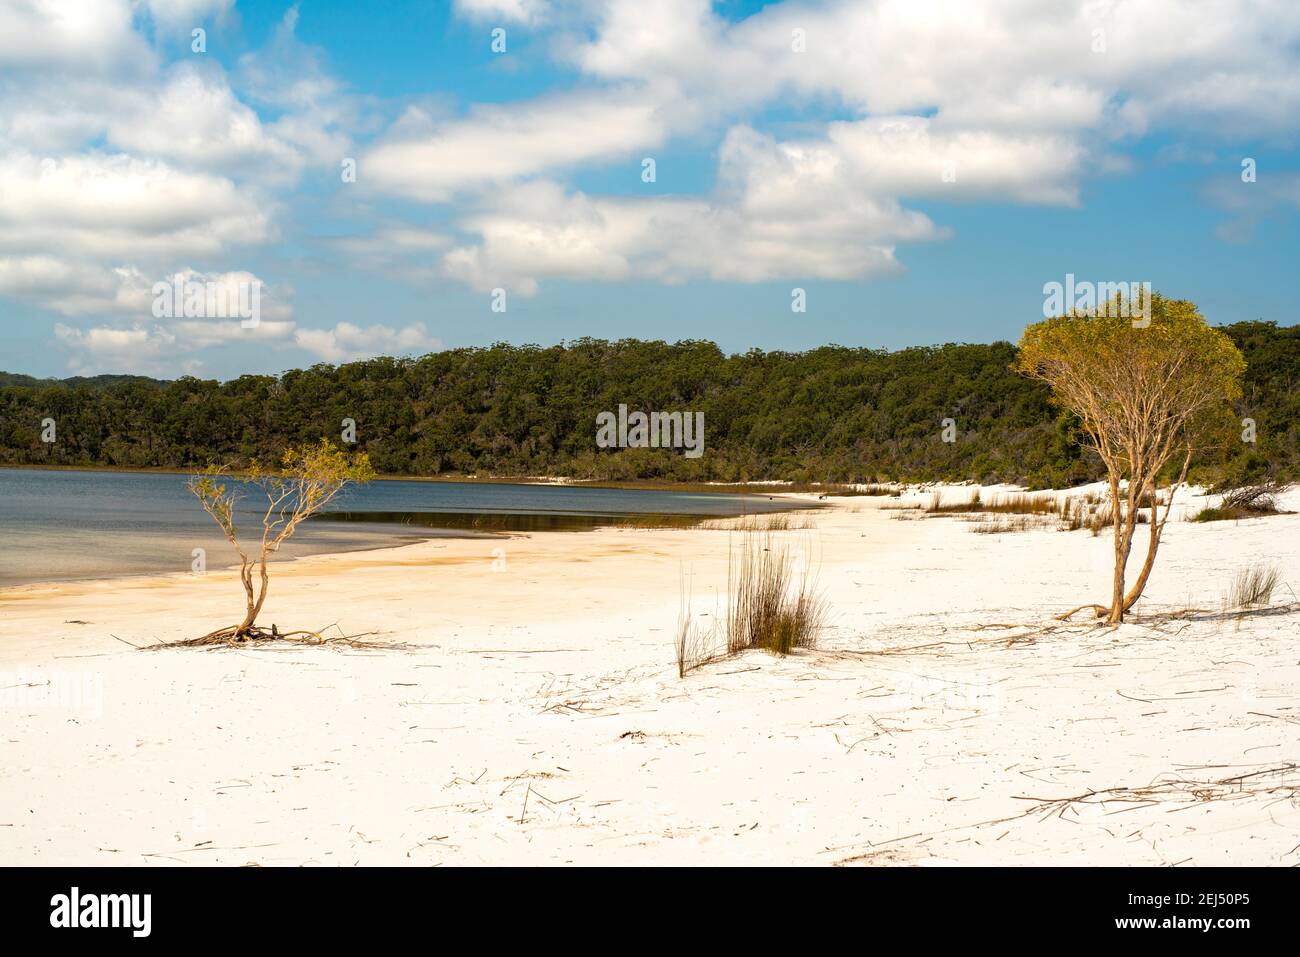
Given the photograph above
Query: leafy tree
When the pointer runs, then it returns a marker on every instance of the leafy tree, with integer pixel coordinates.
(1148, 396)
(307, 479)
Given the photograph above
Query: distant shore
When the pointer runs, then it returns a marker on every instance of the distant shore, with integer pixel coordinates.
(755, 487)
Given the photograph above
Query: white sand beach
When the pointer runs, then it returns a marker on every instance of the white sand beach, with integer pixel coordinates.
(537, 716)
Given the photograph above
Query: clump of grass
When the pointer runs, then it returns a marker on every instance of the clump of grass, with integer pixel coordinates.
(1252, 588)
(767, 606)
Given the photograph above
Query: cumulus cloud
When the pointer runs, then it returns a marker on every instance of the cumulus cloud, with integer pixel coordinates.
(93, 36)
(194, 117)
(75, 289)
(346, 341)
(1021, 65)
(497, 144)
(507, 11)
(139, 349)
(540, 231)
(159, 348)
(184, 15)
(120, 205)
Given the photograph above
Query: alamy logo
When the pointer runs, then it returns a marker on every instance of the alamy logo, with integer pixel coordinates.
(209, 299)
(103, 910)
(658, 430)
(1127, 300)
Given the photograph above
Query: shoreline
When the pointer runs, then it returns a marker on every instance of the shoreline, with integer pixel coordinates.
(361, 524)
(689, 521)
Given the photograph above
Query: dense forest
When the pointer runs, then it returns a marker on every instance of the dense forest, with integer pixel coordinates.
(829, 414)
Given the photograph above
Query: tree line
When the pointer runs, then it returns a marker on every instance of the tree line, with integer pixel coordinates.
(833, 414)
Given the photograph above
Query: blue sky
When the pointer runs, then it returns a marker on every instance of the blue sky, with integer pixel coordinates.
(920, 169)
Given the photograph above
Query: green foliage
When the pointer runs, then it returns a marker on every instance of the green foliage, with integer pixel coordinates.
(829, 414)
(1142, 389)
(307, 478)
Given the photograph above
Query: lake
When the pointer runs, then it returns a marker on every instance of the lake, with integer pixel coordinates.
(58, 525)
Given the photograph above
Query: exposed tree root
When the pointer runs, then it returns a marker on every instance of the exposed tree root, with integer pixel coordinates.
(1098, 611)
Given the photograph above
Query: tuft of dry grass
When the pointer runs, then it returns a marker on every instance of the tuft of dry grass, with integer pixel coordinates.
(937, 506)
(767, 605)
(892, 491)
(693, 643)
(1252, 587)
(775, 522)
(1012, 503)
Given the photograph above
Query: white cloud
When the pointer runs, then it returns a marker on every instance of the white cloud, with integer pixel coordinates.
(120, 206)
(176, 15)
(497, 144)
(159, 348)
(1006, 64)
(140, 350)
(509, 11)
(75, 288)
(92, 36)
(346, 341)
(904, 156)
(540, 232)
(193, 116)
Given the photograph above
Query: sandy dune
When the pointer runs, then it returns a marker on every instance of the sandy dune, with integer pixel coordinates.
(538, 716)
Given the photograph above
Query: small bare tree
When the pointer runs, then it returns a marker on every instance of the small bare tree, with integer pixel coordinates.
(307, 480)
(1150, 396)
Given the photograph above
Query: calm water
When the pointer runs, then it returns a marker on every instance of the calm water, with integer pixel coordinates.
(57, 525)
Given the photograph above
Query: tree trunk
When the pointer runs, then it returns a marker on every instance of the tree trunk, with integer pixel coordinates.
(1122, 544)
(254, 603)
(1157, 529)
(246, 577)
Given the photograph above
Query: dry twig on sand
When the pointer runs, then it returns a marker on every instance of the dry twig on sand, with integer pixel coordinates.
(1280, 782)
(261, 638)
